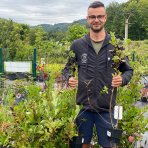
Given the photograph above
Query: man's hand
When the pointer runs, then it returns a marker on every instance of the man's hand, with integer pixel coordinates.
(117, 81)
(73, 83)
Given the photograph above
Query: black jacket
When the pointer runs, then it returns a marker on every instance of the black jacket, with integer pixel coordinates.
(94, 73)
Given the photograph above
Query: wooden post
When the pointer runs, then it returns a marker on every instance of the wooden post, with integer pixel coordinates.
(34, 64)
(1, 61)
(126, 29)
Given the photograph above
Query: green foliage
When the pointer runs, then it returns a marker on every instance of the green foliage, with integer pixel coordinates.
(14, 40)
(57, 35)
(115, 18)
(56, 52)
(76, 31)
(133, 123)
(136, 12)
(104, 90)
(42, 120)
(119, 53)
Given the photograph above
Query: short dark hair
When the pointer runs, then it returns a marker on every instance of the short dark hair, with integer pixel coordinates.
(96, 4)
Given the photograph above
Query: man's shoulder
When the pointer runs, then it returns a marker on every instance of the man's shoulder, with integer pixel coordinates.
(79, 40)
(78, 44)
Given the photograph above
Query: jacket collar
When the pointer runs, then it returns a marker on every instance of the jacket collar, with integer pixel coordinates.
(87, 39)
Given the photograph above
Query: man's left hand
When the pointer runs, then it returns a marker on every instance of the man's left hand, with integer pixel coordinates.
(117, 81)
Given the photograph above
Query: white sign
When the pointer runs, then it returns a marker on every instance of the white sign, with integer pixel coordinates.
(18, 66)
(118, 110)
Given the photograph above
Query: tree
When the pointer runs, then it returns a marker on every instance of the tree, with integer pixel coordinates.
(9, 37)
(136, 11)
(138, 27)
(115, 22)
(76, 31)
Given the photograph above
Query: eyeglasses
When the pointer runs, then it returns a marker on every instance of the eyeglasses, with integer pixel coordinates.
(93, 17)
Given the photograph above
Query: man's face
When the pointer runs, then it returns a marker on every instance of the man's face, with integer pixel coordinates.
(96, 18)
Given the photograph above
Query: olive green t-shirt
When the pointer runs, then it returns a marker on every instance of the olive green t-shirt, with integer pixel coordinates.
(97, 45)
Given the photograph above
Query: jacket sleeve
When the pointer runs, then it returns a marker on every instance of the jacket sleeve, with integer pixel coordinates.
(126, 70)
(69, 68)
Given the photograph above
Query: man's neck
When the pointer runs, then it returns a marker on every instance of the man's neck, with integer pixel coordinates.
(99, 36)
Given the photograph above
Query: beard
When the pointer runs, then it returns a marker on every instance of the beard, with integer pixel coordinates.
(96, 29)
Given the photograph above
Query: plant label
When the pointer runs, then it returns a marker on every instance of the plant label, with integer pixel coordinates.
(118, 110)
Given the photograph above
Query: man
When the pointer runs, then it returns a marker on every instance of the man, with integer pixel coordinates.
(94, 59)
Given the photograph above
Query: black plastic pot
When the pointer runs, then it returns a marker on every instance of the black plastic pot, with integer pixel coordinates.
(76, 142)
(115, 135)
(11, 76)
(22, 76)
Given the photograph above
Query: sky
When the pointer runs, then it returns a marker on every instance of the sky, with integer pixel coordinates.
(35, 12)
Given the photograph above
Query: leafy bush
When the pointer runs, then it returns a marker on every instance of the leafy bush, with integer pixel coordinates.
(42, 120)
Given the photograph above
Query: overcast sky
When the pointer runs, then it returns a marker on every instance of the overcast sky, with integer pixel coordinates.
(34, 12)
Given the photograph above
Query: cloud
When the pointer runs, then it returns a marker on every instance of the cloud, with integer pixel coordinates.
(34, 12)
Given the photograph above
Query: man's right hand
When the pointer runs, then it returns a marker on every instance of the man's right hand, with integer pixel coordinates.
(73, 83)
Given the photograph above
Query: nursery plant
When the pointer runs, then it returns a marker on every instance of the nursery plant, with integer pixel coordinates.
(43, 119)
(46, 118)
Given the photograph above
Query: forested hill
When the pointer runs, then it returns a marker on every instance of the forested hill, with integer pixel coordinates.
(133, 10)
(60, 26)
